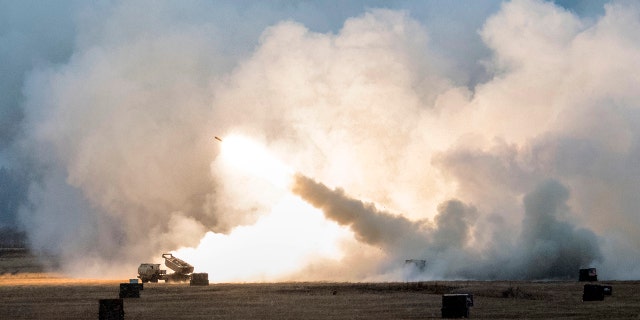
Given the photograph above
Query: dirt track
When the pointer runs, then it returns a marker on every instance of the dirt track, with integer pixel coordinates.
(36, 296)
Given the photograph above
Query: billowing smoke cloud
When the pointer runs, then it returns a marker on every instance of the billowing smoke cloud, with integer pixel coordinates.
(552, 247)
(502, 146)
(547, 246)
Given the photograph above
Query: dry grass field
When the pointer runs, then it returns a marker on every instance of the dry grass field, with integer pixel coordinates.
(46, 296)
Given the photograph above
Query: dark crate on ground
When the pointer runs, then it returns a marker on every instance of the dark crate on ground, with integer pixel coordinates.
(129, 290)
(135, 281)
(111, 309)
(456, 305)
(589, 274)
(593, 292)
(199, 279)
(608, 290)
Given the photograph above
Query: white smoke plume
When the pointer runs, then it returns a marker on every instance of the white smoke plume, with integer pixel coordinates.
(496, 139)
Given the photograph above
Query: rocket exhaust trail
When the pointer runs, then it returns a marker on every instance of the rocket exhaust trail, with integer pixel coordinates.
(447, 242)
(370, 225)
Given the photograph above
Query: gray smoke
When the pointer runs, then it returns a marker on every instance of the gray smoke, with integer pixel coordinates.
(370, 225)
(552, 247)
(547, 248)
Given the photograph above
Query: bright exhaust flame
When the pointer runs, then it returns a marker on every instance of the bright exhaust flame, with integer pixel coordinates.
(281, 242)
(251, 157)
(278, 244)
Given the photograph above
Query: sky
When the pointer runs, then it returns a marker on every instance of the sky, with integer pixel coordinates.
(491, 139)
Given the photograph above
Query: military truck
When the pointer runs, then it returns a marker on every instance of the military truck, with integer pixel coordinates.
(151, 272)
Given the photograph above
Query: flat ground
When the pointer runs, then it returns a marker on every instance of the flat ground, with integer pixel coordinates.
(46, 296)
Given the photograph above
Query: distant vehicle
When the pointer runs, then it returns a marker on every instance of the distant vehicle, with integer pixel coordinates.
(151, 272)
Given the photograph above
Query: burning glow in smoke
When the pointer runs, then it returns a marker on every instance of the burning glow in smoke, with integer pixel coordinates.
(280, 242)
(253, 158)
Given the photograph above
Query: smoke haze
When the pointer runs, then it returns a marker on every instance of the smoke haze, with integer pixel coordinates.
(494, 140)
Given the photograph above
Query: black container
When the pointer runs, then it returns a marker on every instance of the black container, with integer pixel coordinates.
(135, 281)
(129, 290)
(456, 305)
(589, 274)
(199, 279)
(111, 309)
(593, 292)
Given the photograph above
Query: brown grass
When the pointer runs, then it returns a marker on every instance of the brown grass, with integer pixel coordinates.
(59, 298)
(50, 296)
